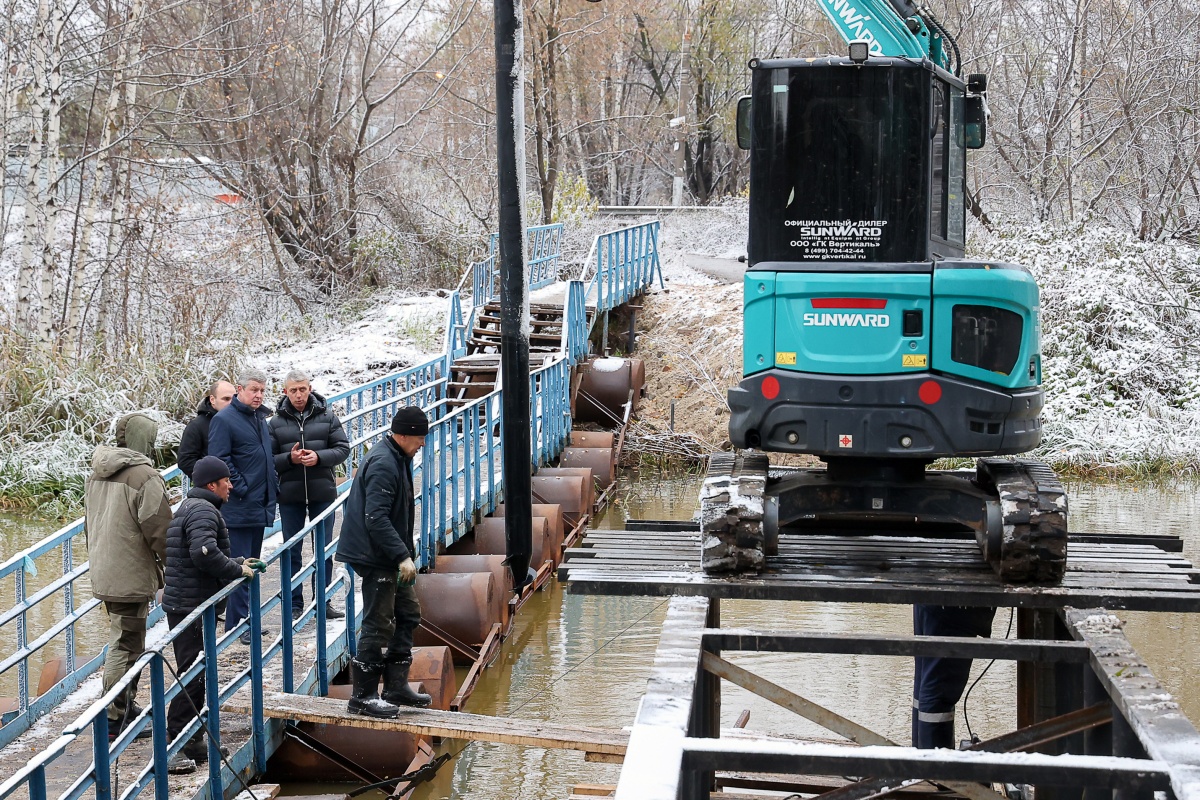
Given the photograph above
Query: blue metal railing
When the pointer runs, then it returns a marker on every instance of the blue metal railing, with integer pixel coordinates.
(625, 264)
(544, 252)
(460, 480)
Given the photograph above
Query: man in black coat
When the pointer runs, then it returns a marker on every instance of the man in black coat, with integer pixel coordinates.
(377, 542)
(198, 566)
(193, 445)
(308, 441)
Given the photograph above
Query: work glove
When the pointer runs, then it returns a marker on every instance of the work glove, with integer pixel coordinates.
(256, 564)
(407, 575)
(247, 571)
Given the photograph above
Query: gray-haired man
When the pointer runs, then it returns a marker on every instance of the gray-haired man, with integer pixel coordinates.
(309, 442)
(238, 436)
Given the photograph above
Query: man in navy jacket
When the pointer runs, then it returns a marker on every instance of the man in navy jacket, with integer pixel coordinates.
(238, 436)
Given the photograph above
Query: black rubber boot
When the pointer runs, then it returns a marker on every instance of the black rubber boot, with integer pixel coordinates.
(365, 698)
(396, 689)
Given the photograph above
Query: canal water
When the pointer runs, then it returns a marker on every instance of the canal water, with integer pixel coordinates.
(585, 660)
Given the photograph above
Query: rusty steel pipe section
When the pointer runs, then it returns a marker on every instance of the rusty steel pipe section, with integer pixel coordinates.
(555, 527)
(604, 388)
(463, 605)
(466, 563)
(601, 461)
(490, 539)
(589, 482)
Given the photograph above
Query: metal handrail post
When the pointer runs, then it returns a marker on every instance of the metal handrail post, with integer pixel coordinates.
(256, 676)
(68, 558)
(100, 757)
(37, 784)
(22, 642)
(158, 727)
(285, 616)
(212, 696)
(320, 598)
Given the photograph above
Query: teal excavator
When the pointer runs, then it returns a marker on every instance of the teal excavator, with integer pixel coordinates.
(870, 342)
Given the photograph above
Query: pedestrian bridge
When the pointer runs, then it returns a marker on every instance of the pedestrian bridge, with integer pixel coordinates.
(54, 742)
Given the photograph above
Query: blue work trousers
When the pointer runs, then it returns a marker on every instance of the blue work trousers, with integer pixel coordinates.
(938, 682)
(291, 518)
(247, 543)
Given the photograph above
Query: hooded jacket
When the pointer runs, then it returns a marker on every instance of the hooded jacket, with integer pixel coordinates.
(377, 528)
(126, 518)
(238, 435)
(193, 445)
(198, 562)
(315, 428)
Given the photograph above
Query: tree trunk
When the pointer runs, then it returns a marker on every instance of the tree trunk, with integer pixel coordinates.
(112, 127)
(49, 265)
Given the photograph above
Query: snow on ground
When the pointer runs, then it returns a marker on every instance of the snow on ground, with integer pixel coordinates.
(395, 332)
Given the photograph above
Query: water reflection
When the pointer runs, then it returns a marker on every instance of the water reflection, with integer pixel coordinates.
(16, 534)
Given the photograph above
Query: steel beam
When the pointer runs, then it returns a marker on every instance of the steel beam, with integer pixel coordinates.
(1042, 650)
(654, 758)
(906, 762)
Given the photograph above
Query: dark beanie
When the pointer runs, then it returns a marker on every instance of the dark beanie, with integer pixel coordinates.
(410, 421)
(209, 470)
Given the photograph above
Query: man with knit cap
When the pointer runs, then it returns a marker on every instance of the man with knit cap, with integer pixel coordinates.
(198, 566)
(377, 542)
(126, 517)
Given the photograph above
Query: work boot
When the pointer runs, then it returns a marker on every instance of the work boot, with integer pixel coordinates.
(333, 612)
(365, 698)
(197, 749)
(396, 689)
(180, 764)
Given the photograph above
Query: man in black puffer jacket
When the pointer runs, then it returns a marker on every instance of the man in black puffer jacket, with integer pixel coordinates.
(198, 566)
(193, 445)
(308, 441)
(377, 541)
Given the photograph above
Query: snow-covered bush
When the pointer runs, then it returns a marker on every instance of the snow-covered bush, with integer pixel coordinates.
(1120, 322)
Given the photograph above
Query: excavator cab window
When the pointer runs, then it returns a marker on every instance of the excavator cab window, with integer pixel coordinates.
(838, 155)
(948, 161)
(986, 337)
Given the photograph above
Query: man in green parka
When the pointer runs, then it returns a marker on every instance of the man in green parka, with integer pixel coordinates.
(126, 513)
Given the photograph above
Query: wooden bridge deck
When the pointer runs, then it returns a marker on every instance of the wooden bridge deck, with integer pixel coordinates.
(1101, 572)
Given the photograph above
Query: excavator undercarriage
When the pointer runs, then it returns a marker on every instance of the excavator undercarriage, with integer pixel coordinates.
(1017, 509)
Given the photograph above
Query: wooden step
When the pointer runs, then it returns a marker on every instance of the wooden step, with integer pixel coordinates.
(557, 321)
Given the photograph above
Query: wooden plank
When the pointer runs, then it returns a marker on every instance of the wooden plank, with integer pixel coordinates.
(654, 762)
(447, 724)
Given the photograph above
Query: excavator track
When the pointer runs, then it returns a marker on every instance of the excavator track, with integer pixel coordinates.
(1031, 546)
(731, 512)
(1022, 532)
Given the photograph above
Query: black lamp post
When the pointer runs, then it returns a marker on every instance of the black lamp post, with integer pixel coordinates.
(514, 292)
